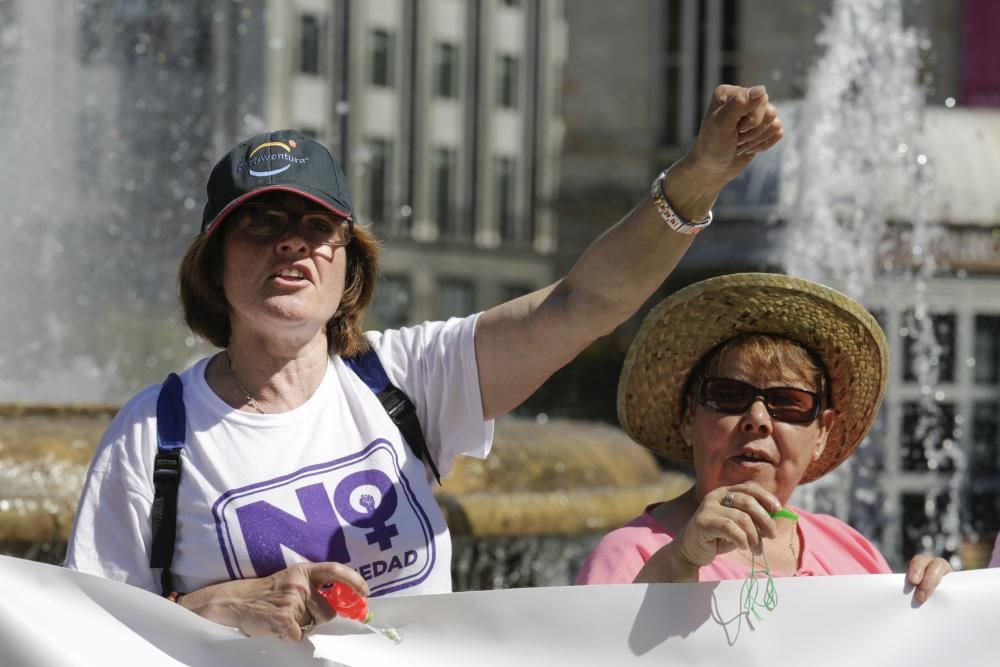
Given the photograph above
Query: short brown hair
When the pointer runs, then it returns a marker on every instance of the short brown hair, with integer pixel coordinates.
(206, 309)
(781, 356)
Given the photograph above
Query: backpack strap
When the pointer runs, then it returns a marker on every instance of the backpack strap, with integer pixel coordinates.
(171, 426)
(397, 404)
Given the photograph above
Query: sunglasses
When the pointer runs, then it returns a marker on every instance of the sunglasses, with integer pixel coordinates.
(786, 404)
(267, 222)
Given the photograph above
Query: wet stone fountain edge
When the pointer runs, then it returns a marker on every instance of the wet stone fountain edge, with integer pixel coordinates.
(527, 515)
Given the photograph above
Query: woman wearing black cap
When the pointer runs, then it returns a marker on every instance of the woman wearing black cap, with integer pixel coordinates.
(290, 459)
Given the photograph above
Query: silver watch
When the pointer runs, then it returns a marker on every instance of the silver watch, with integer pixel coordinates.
(669, 215)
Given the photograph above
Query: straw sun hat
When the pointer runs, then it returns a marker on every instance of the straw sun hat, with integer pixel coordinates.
(692, 322)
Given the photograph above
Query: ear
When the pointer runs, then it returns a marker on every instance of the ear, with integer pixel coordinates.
(687, 427)
(826, 422)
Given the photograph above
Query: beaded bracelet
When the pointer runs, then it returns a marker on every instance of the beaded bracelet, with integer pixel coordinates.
(669, 215)
(174, 596)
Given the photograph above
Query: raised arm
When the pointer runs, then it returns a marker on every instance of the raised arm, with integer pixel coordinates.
(519, 344)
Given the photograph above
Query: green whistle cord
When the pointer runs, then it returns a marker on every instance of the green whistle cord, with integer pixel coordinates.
(749, 594)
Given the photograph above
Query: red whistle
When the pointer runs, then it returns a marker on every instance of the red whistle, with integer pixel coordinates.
(345, 601)
(349, 604)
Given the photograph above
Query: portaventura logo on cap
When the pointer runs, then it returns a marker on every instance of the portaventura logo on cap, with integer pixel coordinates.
(256, 158)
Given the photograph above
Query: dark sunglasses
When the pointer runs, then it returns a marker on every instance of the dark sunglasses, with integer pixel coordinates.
(786, 404)
(267, 222)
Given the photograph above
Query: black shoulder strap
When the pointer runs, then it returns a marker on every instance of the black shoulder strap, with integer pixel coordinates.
(401, 410)
(171, 425)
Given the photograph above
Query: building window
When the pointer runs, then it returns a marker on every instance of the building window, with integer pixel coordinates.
(700, 49)
(980, 76)
(985, 438)
(729, 52)
(919, 352)
(94, 24)
(673, 60)
(987, 350)
(393, 297)
(558, 75)
(507, 82)
(921, 516)
(445, 174)
(925, 432)
(446, 70)
(89, 172)
(309, 44)
(382, 55)
(453, 298)
(379, 171)
(984, 521)
(174, 35)
(504, 195)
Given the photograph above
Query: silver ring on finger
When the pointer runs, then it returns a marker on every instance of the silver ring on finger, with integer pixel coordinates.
(729, 499)
(308, 627)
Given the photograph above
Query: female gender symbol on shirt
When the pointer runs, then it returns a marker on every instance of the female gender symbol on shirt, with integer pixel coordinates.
(367, 499)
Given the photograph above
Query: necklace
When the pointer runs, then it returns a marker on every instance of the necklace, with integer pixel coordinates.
(791, 546)
(250, 399)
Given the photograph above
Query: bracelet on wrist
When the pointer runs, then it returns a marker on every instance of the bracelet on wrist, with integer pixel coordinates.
(669, 215)
(174, 596)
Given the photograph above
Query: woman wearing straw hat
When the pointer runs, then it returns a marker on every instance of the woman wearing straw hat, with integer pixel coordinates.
(761, 382)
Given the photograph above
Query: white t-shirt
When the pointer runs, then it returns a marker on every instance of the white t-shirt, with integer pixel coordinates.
(330, 480)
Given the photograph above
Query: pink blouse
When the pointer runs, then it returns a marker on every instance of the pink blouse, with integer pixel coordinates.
(995, 561)
(829, 546)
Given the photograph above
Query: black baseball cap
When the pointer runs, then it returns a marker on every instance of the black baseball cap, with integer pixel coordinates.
(284, 161)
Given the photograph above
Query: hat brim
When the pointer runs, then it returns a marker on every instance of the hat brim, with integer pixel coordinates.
(690, 323)
(308, 193)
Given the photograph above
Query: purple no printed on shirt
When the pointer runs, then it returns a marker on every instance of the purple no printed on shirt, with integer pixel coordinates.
(360, 510)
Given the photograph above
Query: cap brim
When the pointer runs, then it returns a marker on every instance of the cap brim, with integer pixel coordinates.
(294, 189)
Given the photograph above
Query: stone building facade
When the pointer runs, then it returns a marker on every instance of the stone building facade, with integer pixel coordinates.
(446, 116)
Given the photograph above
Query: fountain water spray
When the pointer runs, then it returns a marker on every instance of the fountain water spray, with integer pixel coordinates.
(855, 192)
(110, 114)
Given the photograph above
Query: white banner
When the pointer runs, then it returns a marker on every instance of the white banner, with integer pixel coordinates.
(51, 617)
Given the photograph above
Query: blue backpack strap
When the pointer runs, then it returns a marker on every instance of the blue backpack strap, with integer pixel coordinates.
(397, 404)
(171, 426)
